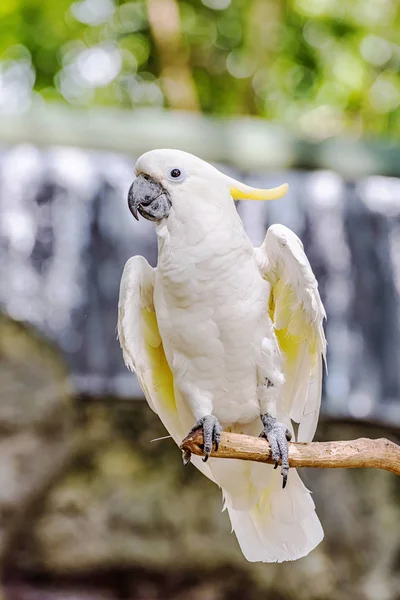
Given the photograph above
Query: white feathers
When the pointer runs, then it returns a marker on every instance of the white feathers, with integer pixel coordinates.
(281, 526)
(297, 314)
(135, 294)
(218, 327)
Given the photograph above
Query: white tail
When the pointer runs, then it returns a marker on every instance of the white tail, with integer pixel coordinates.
(281, 526)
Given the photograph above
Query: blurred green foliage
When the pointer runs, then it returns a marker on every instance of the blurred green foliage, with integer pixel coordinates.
(321, 67)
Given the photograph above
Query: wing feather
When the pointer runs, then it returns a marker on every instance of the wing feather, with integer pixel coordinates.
(141, 343)
(297, 313)
(143, 350)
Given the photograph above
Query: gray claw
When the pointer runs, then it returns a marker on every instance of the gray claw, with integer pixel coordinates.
(278, 436)
(186, 457)
(211, 434)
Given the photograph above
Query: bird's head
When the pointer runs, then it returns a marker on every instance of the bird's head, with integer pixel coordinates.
(167, 178)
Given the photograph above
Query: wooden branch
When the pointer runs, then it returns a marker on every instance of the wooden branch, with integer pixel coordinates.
(364, 452)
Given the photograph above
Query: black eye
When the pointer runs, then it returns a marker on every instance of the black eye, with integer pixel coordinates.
(175, 175)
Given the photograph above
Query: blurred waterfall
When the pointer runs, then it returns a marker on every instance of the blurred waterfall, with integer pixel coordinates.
(66, 232)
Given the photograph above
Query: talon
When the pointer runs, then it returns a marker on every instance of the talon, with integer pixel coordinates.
(206, 457)
(211, 434)
(278, 436)
(186, 457)
(217, 435)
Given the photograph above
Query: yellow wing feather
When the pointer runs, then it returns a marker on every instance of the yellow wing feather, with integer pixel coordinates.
(141, 343)
(297, 313)
(162, 381)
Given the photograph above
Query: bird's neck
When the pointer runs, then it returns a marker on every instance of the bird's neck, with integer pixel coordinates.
(196, 227)
(195, 248)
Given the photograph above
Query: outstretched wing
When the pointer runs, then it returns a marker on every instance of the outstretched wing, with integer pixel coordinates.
(297, 313)
(143, 351)
(141, 343)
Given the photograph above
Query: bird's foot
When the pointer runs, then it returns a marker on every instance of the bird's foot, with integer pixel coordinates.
(211, 434)
(186, 456)
(278, 436)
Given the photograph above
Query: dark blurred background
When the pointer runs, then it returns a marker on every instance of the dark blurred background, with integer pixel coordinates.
(304, 91)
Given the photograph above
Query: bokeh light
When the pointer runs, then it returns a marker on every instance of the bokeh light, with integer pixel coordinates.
(319, 67)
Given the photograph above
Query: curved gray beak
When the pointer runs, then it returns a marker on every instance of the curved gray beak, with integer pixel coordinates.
(149, 198)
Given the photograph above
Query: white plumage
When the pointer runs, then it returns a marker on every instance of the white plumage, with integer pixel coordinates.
(210, 325)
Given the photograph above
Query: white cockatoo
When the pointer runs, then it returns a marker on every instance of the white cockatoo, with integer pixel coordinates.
(221, 334)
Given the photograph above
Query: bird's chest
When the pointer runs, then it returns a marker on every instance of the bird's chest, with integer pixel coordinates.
(209, 290)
